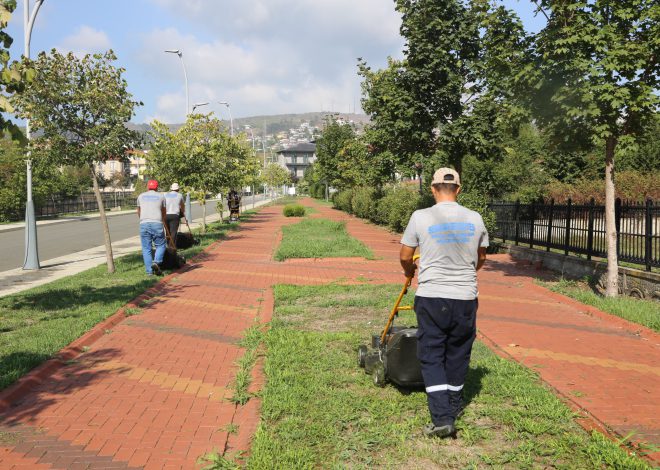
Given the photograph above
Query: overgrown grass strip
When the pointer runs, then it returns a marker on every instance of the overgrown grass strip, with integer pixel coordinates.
(319, 238)
(320, 410)
(36, 324)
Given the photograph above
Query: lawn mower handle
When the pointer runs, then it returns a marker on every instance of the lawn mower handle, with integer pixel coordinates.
(396, 308)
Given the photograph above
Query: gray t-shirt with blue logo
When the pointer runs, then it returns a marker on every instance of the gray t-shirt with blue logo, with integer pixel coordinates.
(150, 204)
(173, 202)
(448, 236)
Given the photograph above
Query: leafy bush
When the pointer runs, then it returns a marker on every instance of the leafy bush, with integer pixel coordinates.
(395, 207)
(631, 185)
(363, 202)
(294, 210)
(342, 200)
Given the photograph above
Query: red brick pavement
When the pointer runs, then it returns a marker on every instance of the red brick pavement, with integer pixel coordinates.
(152, 392)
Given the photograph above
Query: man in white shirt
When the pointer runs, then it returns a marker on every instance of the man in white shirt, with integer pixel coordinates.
(173, 208)
(452, 243)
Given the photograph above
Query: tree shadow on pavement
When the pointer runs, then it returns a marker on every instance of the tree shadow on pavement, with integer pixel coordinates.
(81, 372)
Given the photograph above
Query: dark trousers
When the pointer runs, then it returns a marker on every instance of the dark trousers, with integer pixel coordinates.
(173, 225)
(446, 329)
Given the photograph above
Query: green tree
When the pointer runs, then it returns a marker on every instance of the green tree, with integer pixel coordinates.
(274, 175)
(594, 74)
(334, 137)
(13, 77)
(201, 157)
(80, 107)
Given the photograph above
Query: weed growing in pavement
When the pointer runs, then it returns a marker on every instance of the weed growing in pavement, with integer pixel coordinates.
(130, 311)
(216, 461)
(319, 238)
(230, 428)
(37, 323)
(643, 312)
(320, 410)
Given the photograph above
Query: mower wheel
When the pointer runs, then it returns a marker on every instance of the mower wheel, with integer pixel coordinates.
(361, 355)
(378, 375)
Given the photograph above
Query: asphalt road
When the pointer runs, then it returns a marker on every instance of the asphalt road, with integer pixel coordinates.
(76, 235)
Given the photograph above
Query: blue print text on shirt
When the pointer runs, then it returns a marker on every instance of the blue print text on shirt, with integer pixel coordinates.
(452, 232)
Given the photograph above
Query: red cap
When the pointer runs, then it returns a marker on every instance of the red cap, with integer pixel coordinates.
(152, 184)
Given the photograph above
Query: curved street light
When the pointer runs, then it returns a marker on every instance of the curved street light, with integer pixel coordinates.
(31, 260)
(231, 120)
(185, 75)
(197, 105)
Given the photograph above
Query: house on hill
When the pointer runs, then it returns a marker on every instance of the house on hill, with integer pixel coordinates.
(297, 158)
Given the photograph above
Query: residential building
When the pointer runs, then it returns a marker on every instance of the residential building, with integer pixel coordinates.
(297, 158)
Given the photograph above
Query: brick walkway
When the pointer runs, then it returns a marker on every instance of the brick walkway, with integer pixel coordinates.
(152, 391)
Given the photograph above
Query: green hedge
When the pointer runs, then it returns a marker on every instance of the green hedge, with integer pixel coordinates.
(394, 205)
(317, 190)
(293, 210)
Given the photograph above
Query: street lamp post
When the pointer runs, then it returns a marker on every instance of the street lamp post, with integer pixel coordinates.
(197, 105)
(188, 205)
(231, 120)
(31, 260)
(185, 76)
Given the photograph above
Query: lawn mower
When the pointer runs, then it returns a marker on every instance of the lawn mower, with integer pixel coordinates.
(393, 353)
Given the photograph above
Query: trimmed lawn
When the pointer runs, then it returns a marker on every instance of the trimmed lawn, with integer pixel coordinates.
(643, 312)
(319, 238)
(320, 410)
(38, 323)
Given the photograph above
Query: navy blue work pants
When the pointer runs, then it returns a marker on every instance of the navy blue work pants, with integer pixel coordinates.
(446, 329)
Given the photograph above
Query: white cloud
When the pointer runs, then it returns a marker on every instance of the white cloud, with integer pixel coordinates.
(85, 40)
(270, 56)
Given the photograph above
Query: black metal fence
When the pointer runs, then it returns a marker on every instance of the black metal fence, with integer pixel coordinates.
(580, 228)
(86, 202)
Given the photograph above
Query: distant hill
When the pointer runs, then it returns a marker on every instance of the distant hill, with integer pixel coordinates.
(277, 123)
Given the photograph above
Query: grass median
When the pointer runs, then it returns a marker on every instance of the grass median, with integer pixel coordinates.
(319, 238)
(320, 410)
(37, 323)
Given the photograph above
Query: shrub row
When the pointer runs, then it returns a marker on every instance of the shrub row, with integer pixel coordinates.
(294, 210)
(394, 205)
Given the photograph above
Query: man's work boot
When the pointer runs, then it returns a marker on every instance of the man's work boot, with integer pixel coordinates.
(155, 268)
(446, 430)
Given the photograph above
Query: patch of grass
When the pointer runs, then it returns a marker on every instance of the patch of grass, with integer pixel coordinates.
(129, 312)
(294, 210)
(37, 323)
(216, 461)
(320, 410)
(319, 238)
(252, 338)
(643, 312)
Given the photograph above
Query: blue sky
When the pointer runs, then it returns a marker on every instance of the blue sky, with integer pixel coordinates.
(262, 56)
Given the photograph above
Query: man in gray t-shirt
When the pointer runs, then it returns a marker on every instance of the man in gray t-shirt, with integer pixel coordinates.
(151, 210)
(174, 209)
(452, 243)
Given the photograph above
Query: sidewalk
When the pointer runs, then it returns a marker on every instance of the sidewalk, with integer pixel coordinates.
(151, 390)
(16, 280)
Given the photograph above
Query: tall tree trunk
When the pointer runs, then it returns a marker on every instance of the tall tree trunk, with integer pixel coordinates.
(612, 285)
(104, 223)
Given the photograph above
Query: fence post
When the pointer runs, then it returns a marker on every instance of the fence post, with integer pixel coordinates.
(517, 217)
(648, 235)
(617, 224)
(567, 235)
(531, 225)
(550, 216)
(590, 230)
